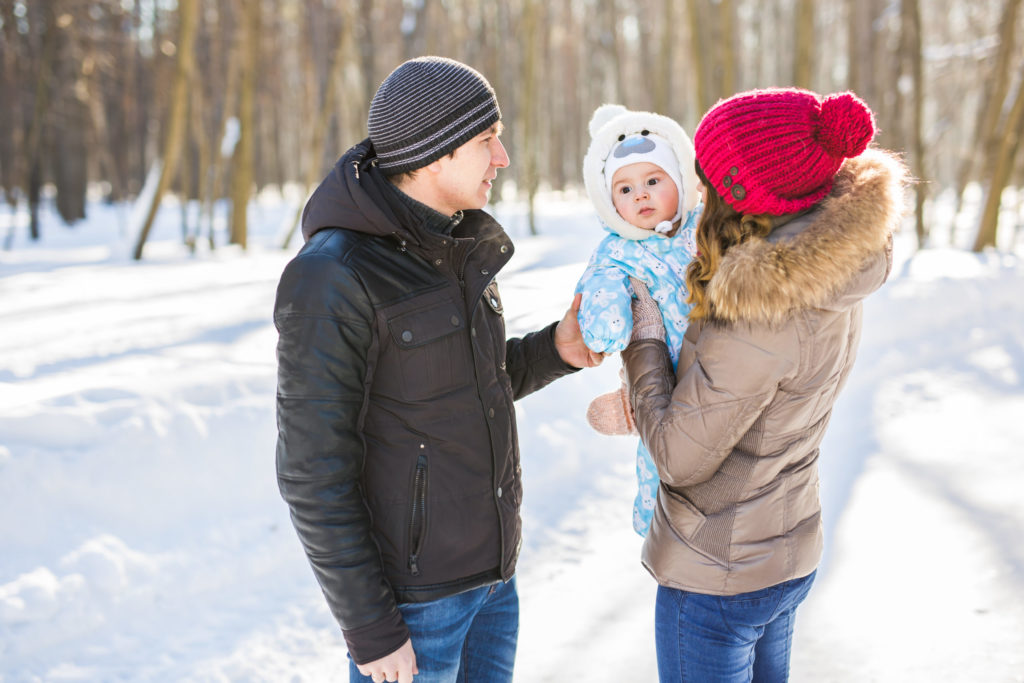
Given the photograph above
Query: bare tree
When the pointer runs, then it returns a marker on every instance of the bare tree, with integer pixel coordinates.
(175, 135)
(986, 133)
(344, 56)
(242, 162)
(803, 58)
(1006, 150)
(912, 61)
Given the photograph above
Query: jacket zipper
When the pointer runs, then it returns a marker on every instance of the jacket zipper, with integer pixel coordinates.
(417, 521)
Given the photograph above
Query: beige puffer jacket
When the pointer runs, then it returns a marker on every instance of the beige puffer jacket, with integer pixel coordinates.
(735, 436)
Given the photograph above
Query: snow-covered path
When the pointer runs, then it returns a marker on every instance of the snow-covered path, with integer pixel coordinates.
(144, 539)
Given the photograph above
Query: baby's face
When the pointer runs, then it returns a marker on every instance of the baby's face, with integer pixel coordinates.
(644, 194)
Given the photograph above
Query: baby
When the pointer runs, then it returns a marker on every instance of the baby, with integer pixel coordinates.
(639, 174)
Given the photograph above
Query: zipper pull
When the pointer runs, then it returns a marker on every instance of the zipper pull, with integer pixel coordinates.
(414, 566)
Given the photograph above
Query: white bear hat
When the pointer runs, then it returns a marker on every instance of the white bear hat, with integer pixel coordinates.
(619, 137)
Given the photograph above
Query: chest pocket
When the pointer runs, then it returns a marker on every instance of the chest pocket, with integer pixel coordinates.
(432, 354)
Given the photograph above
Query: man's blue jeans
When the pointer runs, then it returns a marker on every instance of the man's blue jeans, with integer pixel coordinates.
(466, 637)
(727, 639)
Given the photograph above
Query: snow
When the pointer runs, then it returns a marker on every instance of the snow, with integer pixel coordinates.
(144, 538)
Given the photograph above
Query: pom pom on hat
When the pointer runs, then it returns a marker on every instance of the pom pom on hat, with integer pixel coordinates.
(846, 126)
(776, 151)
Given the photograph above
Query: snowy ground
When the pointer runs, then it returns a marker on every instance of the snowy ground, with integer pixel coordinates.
(144, 539)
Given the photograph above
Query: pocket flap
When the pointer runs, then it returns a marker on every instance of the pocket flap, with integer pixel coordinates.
(417, 328)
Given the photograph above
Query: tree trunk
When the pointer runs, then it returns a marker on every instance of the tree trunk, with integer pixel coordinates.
(528, 142)
(1001, 167)
(662, 86)
(727, 49)
(241, 167)
(912, 60)
(40, 110)
(986, 135)
(344, 53)
(221, 154)
(803, 55)
(204, 154)
(697, 57)
(175, 135)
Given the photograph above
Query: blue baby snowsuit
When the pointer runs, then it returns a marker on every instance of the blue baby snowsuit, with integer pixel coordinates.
(605, 316)
(606, 319)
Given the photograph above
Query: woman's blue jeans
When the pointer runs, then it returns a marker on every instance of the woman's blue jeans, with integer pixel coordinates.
(470, 636)
(727, 638)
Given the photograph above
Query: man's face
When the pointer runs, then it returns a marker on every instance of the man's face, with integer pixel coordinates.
(464, 180)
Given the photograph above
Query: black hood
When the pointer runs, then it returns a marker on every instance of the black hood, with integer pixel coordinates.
(354, 196)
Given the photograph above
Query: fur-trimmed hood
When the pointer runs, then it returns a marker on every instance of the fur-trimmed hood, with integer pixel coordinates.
(608, 123)
(829, 258)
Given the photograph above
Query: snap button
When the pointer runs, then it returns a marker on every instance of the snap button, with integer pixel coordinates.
(499, 492)
(407, 336)
(490, 412)
(437, 262)
(473, 331)
(455, 320)
(484, 271)
(494, 302)
(504, 249)
(738, 192)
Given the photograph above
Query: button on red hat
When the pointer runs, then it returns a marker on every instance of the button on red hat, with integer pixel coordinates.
(776, 151)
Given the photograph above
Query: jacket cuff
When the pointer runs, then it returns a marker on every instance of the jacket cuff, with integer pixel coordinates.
(379, 639)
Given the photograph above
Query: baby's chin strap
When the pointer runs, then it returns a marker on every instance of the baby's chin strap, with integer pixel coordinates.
(665, 227)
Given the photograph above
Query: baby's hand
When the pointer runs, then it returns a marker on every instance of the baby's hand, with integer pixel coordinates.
(611, 413)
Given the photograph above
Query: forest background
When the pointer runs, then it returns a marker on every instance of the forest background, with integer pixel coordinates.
(220, 99)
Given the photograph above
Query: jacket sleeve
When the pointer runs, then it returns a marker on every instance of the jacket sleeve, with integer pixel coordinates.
(692, 425)
(532, 362)
(324, 321)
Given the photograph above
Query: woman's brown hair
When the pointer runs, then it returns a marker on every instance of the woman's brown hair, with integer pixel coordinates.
(720, 228)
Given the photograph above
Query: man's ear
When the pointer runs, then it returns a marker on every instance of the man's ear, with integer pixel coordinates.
(434, 167)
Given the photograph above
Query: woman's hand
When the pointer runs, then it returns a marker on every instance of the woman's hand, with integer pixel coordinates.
(647, 322)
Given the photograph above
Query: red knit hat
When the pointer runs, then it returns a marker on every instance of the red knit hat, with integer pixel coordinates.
(776, 151)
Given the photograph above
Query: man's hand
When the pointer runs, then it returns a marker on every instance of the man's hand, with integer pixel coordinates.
(569, 340)
(399, 666)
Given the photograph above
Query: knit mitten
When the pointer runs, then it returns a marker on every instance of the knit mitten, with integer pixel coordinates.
(647, 322)
(611, 413)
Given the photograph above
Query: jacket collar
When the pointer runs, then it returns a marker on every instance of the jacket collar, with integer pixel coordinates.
(830, 257)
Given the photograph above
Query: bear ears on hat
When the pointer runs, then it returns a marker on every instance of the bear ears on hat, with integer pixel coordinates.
(604, 114)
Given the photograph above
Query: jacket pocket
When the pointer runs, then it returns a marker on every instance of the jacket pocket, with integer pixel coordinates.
(432, 355)
(418, 515)
(692, 528)
(682, 515)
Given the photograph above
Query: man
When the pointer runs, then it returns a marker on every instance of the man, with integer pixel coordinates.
(397, 451)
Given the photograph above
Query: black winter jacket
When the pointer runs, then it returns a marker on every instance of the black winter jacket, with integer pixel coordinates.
(397, 450)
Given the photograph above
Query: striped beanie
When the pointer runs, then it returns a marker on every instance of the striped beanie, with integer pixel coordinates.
(426, 108)
(776, 151)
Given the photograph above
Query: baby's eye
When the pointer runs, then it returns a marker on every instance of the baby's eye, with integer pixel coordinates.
(625, 189)
(652, 181)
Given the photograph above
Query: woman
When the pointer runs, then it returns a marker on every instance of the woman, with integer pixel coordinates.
(796, 231)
